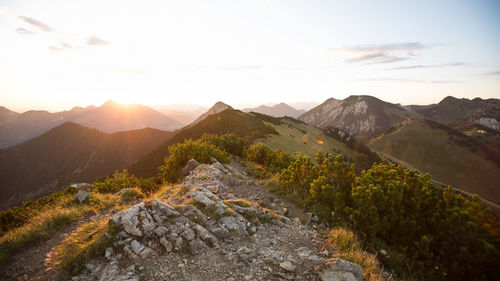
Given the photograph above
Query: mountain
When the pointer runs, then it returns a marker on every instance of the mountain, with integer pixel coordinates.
(451, 157)
(285, 133)
(110, 117)
(452, 111)
(216, 108)
(278, 110)
(69, 153)
(360, 116)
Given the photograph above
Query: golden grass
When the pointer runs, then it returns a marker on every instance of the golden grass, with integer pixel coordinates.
(350, 249)
(86, 242)
(41, 226)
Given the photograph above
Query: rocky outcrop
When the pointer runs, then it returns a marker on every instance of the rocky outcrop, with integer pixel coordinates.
(360, 116)
(196, 235)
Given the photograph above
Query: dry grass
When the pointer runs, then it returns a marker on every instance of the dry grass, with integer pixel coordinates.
(83, 244)
(41, 226)
(350, 249)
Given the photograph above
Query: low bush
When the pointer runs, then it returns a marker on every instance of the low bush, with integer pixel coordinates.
(181, 153)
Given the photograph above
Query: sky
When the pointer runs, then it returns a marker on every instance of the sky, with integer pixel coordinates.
(61, 53)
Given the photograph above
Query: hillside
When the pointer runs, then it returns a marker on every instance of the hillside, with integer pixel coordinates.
(69, 153)
(360, 116)
(279, 133)
(110, 117)
(278, 110)
(450, 157)
(452, 111)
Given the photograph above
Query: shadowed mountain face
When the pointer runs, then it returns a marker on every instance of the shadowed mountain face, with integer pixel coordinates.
(360, 116)
(110, 117)
(69, 153)
(279, 110)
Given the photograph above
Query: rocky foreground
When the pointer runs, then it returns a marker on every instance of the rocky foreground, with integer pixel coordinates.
(205, 231)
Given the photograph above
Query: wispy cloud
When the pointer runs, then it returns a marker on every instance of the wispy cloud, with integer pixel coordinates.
(62, 46)
(427, 66)
(385, 53)
(494, 73)
(36, 23)
(407, 80)
(242, 67)
(96, 41)
(23, 31)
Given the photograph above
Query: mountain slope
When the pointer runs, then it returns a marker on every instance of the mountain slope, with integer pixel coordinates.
(360, 116)
(288, 134)
(68, 153)
(450, 157)
(278, 110)
(110, 117)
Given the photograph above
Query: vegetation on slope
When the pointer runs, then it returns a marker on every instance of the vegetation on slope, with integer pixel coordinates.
(423, 231)
(446, 154)
(69, 153)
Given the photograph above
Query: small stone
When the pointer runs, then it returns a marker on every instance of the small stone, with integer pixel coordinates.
(288, 266)
(165, 243)
(213, 188)
(188, 234)
(108, 253)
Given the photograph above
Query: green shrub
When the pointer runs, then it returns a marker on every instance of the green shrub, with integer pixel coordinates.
(434, 234)
(150, 185)
(118, 181)
(180, 154)
(131, 194)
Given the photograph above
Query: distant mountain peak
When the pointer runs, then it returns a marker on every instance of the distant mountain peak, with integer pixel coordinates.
(278, 110)
(216, 108)
(110, 103)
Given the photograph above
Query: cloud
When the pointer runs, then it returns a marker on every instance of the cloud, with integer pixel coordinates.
(408, 80)
(494, 73)
(427, 66)
(63, 46)
(3, 10)
(242, 67)
(23, 31)
(385, 53)
(96, 41)
(38, 24)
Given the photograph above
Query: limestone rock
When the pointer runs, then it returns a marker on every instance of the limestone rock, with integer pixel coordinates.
(288, 266)
(191, 165)
(339, 270)
(82, 195)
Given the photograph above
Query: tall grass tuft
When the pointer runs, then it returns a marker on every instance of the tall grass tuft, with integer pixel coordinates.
(87, 241)
(41, 226)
